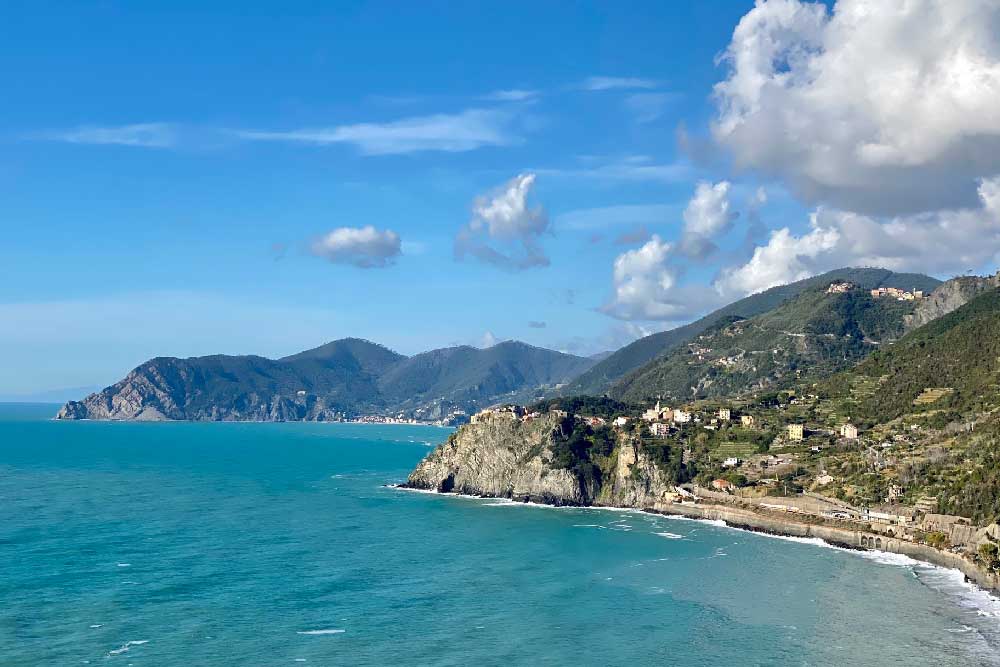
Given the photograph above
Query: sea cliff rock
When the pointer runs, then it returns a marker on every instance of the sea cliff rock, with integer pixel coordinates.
(948, 296)
(504, 457)
(501, 457)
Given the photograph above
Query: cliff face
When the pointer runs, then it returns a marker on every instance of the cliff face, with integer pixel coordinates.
(949, 296)
(506, 458)
(165, 389)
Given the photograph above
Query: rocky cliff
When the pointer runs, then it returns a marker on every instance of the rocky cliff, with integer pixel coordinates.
(948, 296)
(503, 457)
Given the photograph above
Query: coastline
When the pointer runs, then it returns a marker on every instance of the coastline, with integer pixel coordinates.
(756, 522)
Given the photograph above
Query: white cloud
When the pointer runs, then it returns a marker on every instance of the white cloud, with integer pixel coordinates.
(941, 242)
(364, 247)
(453, 133)
(617, 83)
(884, 108)
(488, 340)
(708, 214)
(511, 95)
(142, 135)
(637, 168)
(645, 286)
(505, 218)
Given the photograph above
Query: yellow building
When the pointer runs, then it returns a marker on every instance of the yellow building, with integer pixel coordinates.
(849, 431)
(724, 414)
(746, 421)
(795, 432)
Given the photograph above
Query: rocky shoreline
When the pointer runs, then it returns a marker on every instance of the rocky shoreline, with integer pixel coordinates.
(511, 459)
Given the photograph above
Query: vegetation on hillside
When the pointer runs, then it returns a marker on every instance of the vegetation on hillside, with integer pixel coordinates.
(809, 336)
(604, 374)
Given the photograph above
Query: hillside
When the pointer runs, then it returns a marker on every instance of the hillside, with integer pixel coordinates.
(812, 335)
(468, 376)
(604, 374)
(342, 378)
(951, 364)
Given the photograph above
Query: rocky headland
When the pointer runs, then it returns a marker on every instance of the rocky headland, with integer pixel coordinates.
(506, 457)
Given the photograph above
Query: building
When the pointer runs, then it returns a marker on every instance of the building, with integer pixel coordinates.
(722, 485)
(795, 432)
(724, 414)
(888, 515)
(656, 413)
(849, 431)
(746, 421)
(620, 421)
(896, 293)
(593, 422)
(824, 479)
(681, 417)
(732, 462)
(659, 429)
(561, 414)
(481, 416)
(839, 287)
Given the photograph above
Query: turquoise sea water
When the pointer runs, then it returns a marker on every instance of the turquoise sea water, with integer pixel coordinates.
(275, 544)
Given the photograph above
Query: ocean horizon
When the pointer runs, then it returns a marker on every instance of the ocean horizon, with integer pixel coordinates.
(180, 543)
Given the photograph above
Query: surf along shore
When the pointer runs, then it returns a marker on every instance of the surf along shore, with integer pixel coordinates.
(777, 524)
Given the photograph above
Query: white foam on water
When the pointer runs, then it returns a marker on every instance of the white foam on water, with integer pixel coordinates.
(97, 625)
(124, 648)
(124, 564)
(329, 631)
(670, 536)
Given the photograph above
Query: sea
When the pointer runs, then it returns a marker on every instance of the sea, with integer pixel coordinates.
(180, 544)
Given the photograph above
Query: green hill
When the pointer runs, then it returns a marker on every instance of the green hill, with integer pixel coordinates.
(951, 364)
(341, 378)
(600, 378)
(812, 335)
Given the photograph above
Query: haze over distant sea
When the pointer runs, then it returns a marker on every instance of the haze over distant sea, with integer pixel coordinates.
(266, 544)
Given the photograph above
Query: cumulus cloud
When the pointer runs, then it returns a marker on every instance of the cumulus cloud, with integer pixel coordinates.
(364, 247)
(941, 242)
(616, 83)
(708, 214)
(645, 286)
(505, 227)
(882, 108)
(452, 133)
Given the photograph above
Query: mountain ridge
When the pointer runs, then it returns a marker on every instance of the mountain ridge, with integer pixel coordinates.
(338, 379)
(599, 378)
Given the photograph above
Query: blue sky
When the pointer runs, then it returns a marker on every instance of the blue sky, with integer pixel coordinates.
(173, 178)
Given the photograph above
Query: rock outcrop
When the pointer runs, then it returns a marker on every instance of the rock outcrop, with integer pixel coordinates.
(950, 295)
(503, 457)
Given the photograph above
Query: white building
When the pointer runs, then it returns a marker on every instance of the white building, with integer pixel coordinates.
(620, 421)
(849, 431)
(659, 429)
(681, 417)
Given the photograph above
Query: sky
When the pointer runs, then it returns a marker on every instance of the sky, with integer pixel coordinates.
(179, 180)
